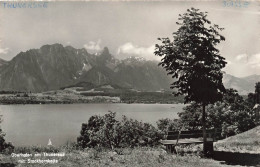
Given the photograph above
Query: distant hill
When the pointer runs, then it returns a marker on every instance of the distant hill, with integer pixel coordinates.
(82, 85)
(243, 85)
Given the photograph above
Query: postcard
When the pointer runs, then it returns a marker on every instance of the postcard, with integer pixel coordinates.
(129, 83)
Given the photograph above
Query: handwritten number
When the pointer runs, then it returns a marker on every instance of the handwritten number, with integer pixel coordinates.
(246, 4)
(236, 3)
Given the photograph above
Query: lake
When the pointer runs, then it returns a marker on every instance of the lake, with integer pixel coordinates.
(26, 125)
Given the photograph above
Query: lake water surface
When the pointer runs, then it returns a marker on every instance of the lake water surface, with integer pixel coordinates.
(26, 125)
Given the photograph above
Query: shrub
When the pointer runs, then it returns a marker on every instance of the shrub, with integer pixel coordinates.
(167, 124)
(87, 129)
(107, 131)
(5, 147)
(137, 133)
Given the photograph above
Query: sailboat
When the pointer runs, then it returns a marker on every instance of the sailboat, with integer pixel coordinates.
(49, 142)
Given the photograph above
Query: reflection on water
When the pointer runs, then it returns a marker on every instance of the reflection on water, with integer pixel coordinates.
(36, 124)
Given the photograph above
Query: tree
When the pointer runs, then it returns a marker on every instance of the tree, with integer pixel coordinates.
(253, 100)
(191, 117)
(4, 146)
(257, 101)
(194, 61)
(257, 93)
(233, 115)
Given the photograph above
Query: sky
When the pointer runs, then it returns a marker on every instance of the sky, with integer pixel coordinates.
(129, 28)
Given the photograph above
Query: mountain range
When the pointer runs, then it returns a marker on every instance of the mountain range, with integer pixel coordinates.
(2, 62)
(54, 66)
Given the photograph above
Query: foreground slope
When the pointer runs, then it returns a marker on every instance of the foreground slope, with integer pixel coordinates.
(248, 142)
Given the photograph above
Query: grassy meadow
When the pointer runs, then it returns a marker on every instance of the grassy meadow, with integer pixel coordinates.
(134, 157)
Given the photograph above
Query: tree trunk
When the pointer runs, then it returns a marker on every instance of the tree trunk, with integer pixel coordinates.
(204, 129)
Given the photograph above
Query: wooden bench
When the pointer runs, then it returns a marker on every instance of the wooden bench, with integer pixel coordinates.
(174, 138)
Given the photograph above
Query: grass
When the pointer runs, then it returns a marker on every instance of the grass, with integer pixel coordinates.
(246, 142)
(137, 157)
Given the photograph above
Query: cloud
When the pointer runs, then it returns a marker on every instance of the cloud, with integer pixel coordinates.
(244, 65)
(133, 50)
(95, 46)
(4, 50)
(252, 60)
(228, 63)
(241, 57)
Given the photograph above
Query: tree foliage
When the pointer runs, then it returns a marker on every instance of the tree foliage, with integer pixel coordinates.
(257, 93)
(167, 124)
(233, 115)
(193, 59)
(254, 98)
(4, 146)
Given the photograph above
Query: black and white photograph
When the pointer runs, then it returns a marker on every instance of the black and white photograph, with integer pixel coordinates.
(130, 83)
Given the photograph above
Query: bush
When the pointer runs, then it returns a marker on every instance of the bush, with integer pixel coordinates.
(107, 131)
(5, 147)
(137, 133)
(167, 124)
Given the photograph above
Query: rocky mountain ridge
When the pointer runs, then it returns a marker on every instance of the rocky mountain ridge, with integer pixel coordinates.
(54, 66)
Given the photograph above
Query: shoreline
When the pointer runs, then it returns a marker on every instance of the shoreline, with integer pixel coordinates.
(61, 97)
(71, 102)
